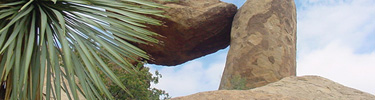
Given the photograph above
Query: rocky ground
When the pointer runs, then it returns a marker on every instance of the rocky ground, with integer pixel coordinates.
(289, 88)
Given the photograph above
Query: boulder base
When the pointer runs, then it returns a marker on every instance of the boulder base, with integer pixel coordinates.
(289, 88)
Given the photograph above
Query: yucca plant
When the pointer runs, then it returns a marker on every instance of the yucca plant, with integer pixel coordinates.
(48, 42)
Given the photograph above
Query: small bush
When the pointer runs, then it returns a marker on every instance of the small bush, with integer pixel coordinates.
(238, 82)
(138, 84)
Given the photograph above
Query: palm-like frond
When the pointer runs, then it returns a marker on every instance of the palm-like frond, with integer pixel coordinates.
(55, 40)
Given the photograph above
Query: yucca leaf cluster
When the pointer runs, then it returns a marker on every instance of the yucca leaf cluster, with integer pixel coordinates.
(51, 47)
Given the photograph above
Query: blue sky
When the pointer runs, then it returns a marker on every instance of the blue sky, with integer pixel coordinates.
(335, 39)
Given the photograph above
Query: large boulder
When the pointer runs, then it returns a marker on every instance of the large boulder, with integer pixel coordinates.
(263, 44)
(195, 28)
(290, 88)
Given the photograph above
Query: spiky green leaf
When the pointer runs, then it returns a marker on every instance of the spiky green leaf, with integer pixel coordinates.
(49, 47)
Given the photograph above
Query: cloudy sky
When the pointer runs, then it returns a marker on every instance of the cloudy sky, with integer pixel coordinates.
(335, 39)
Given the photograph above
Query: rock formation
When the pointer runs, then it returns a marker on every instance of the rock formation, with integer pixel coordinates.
(290, 88)
(263, 44)
(195, 28)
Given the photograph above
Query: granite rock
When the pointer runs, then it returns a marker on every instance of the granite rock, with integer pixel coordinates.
(263, 44)
(193, 29)
(289, 88)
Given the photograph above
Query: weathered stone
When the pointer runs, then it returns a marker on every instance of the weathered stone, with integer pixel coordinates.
(234, 95)
(263, 43)
(289, 88)
(195, 28)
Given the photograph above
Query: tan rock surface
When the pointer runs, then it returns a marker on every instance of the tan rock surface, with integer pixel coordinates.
(263, 44)
(234, 95)
(195, 28)
(289, 88)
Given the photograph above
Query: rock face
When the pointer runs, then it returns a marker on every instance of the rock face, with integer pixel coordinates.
(195, 28)
(263, 44)
(290, 88)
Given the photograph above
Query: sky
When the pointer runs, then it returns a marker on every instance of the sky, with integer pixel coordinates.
(335, 40)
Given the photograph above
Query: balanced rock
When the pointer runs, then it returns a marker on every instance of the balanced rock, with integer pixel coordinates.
(193, 29)
(263, 44)
(289, 88)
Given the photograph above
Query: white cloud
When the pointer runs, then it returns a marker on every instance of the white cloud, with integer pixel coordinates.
(191, 77)
(339, 63)
(321, 23)
(330, 34)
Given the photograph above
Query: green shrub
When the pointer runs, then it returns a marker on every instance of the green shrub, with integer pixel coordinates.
(238, 82)
(137, 84)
